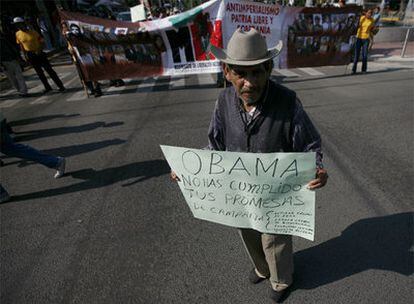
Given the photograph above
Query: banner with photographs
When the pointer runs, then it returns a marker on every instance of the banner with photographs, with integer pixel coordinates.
(178, 44)
(311, 36)
(320, 36)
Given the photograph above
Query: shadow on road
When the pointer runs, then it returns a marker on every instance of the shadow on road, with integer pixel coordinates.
(71, 150)
(93, 179)
(33, 120)
(35, 134)
(383, 243)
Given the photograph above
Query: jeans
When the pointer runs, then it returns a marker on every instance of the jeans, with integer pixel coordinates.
(39, 61)
(14, 73)
(361, 44)
(10, 148)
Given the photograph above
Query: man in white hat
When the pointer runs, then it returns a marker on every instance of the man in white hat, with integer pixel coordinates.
(258, 115)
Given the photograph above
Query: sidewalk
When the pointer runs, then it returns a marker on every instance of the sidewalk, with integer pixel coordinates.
(391, 51)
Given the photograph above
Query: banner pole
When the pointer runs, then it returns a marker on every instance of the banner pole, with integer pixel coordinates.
(405, 43)
(78, 69)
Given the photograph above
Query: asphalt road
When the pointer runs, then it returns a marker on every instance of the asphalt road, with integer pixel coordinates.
(115, 229)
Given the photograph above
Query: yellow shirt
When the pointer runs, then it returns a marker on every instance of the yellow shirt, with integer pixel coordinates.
(365, 27)
(30, 40)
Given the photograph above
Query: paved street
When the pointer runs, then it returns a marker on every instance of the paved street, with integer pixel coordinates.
(115, 229)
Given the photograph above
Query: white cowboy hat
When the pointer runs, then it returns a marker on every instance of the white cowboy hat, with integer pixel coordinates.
(18, 20)
(246, 48)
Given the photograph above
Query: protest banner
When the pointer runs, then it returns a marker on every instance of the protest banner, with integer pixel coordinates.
(320, 36)
(178, 44)
(263, 191)
(311, 36)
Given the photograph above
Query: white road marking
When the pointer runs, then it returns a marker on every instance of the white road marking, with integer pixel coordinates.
(80, 95)
(177, 82)
(7, 93)
(205, 79)
(37, 89)
(9, 103)
(68, 83)
(311, 71)
(114, 89)
(285, 72)
(42, 99)
(147, 84)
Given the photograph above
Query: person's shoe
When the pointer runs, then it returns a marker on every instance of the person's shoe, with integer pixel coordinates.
(353, 72)
(254, 278)
(46, 90)
(278, 296)
(98, 93)
(23, 95)
(62, 89)
(60, 168)
(4, 197)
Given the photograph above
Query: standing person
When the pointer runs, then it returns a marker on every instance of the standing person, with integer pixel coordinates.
(259, 116)
(93, 86)
(10, 58)
(10, 148)
(366, 25)
(376, 15)
(31, 44)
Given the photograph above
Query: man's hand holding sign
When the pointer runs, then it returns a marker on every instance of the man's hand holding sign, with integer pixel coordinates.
(259, 171)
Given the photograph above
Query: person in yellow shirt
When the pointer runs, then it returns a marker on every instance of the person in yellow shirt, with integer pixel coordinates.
(31, 44)
(366, 25)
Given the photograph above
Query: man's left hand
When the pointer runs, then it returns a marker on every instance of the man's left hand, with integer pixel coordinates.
(320, 180)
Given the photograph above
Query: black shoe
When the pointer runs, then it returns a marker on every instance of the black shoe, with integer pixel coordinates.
(23, 95)
(62, 89)
(254, 278)
(278, 296)
(98, 93)
(46, 90)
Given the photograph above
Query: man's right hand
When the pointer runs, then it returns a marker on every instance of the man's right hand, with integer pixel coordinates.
(174, 177)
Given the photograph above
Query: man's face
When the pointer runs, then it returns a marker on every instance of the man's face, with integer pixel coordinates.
(75, 29)
(248, 81)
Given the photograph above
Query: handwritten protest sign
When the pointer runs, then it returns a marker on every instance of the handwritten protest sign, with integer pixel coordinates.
(263, 191)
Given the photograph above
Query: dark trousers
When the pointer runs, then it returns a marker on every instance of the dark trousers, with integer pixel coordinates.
(39, 61)
(361, 44)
